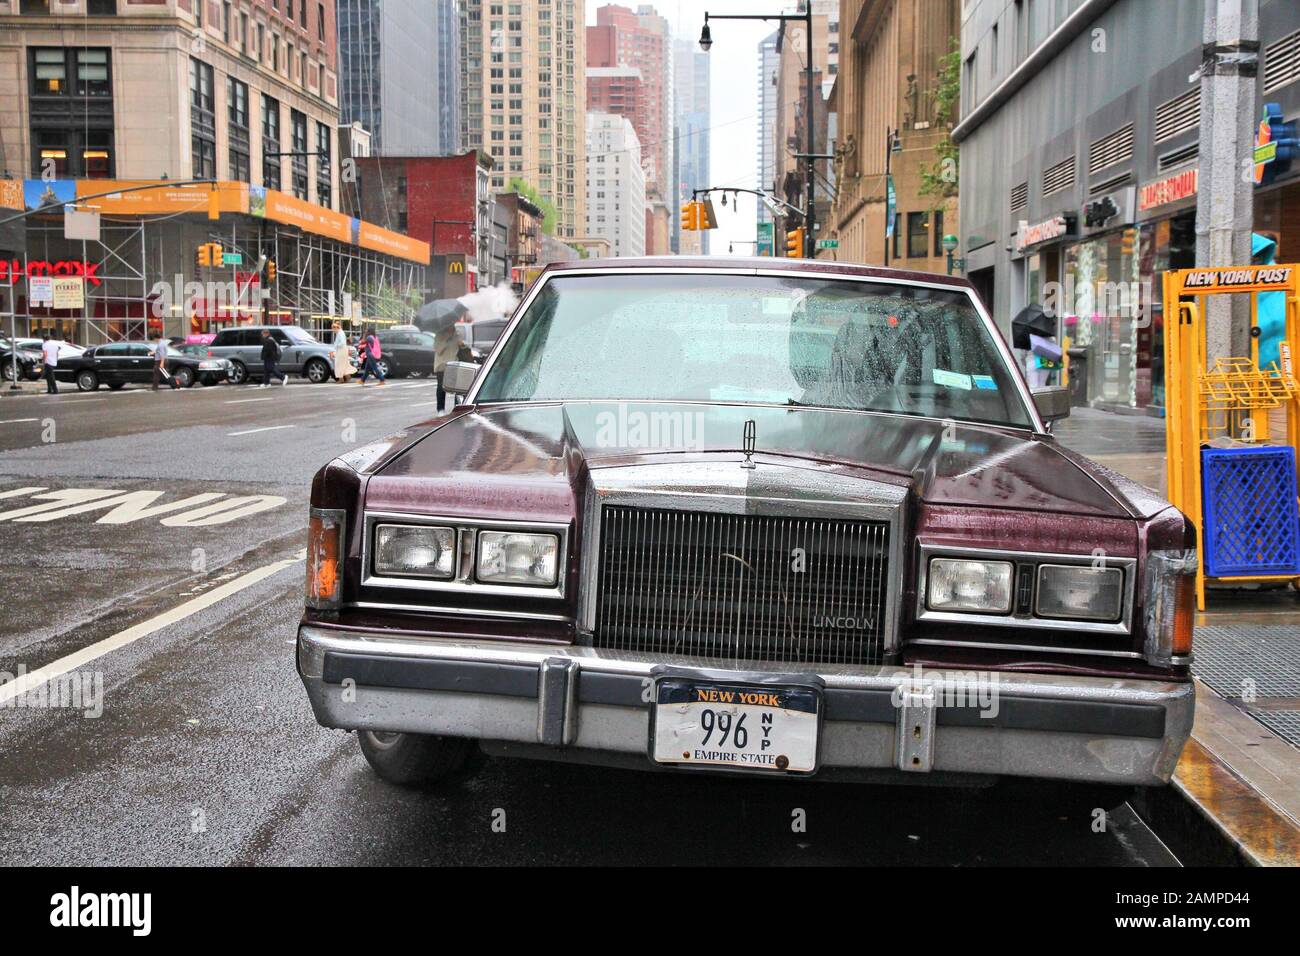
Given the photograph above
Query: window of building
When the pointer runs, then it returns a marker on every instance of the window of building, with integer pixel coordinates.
(320, 21)
(936, 226)
(270, 142)
(324, 139)
(237, 128)
(49, 72)
(898, 229)
(203, 124)
(918, 235)
(226, 14)
(298, 161)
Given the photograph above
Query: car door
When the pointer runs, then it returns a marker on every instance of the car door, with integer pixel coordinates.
(138, 364)
(112, 362)
(290, 352)
(422, 352)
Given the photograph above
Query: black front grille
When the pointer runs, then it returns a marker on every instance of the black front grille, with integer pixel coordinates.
(742, 587)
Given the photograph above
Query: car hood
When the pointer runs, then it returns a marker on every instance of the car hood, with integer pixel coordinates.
(518, 459)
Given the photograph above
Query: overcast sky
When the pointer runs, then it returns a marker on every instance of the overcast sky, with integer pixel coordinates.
(734, 83)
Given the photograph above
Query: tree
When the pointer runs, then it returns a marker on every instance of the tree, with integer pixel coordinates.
(549, 213)
(940, 179)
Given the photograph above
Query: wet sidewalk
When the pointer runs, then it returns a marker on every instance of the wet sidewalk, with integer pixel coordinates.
(1247, 664)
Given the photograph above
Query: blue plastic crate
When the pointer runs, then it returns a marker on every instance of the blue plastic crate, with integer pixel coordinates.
(1252, 524)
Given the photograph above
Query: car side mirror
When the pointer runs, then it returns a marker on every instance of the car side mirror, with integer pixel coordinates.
(458, 377)
(1052, 402)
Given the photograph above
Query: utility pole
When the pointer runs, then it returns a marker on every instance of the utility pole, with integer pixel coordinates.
(1225, 193)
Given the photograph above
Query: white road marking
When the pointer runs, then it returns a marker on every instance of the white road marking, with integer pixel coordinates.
(250, 431)
(15, 421)
(245, 401)
(63, 665)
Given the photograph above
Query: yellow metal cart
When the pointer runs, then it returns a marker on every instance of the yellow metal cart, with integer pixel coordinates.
(1235, 399)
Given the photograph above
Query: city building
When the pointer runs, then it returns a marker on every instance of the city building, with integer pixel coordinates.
(642, 40)
(615, 185)
(120, 105)
(399, 74)
(769, 61)
(886, 102)
(1081, 210)
(791, 119)
(523, 67)
(446, 201)
(523, 238)
(691, 112)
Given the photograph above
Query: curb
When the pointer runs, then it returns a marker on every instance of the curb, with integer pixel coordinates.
(1225, 806)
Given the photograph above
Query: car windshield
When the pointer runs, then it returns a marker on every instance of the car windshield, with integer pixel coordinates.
(785, 340)
(298, 337)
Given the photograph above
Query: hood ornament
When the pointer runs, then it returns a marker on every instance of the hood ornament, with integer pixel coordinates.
(750, 439)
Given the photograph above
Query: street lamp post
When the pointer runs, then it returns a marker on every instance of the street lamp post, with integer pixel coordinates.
(949, 243)
(706, 41)
(892, 145)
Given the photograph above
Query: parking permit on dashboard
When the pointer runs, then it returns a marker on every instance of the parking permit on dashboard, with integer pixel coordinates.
(951, 379)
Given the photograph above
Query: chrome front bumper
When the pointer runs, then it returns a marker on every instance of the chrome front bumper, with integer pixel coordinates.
(580, 702)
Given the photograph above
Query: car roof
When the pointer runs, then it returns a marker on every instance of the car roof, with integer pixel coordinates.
(742, 265)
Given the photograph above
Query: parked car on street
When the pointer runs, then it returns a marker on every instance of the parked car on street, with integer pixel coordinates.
(300, 353)
(66, 349)
(763, 516)
(213, 375)
(29, 364)
(118, 364)
(405, 353)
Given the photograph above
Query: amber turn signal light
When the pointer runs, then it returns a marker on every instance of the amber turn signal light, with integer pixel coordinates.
(324, 559)
(1184, 614)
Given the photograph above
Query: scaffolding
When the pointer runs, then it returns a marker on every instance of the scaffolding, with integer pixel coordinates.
(139, 260)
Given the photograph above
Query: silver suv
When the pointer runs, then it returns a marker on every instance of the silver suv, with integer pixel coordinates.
(300, 354)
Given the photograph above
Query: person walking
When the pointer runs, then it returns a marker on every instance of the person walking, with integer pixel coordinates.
(373, 353)
(343, 369)
(446, 348)
(160, 372)
(50, 355)
(271, 360)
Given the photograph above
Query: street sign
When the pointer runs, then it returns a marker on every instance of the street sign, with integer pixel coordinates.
(828, 243)
(68, 293)
(232, 258)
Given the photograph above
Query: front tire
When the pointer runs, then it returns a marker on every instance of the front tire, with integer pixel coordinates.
(385, 370)
(238, 373)
(317, 371)
(414, 759)
(184, 377)
(87, 381)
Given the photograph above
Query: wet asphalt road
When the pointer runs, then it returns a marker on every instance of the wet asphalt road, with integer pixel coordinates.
(206, 751)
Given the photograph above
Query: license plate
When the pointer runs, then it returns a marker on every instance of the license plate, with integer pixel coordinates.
(736, 726)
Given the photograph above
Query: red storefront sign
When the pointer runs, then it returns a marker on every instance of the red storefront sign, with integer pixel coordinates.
(1170, 189)
(39, 267)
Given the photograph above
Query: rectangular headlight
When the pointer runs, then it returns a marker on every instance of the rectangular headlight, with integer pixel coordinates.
(959, 584)
(424, 551)
(517, 557)
(1080, 592)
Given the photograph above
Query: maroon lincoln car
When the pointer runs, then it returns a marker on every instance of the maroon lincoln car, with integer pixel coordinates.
(783, 518)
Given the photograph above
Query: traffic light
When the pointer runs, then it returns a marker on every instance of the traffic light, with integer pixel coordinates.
(704, 217)
(270, 270)
(691, 215)
(216, 253)
(205, 255)
(794, 243)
